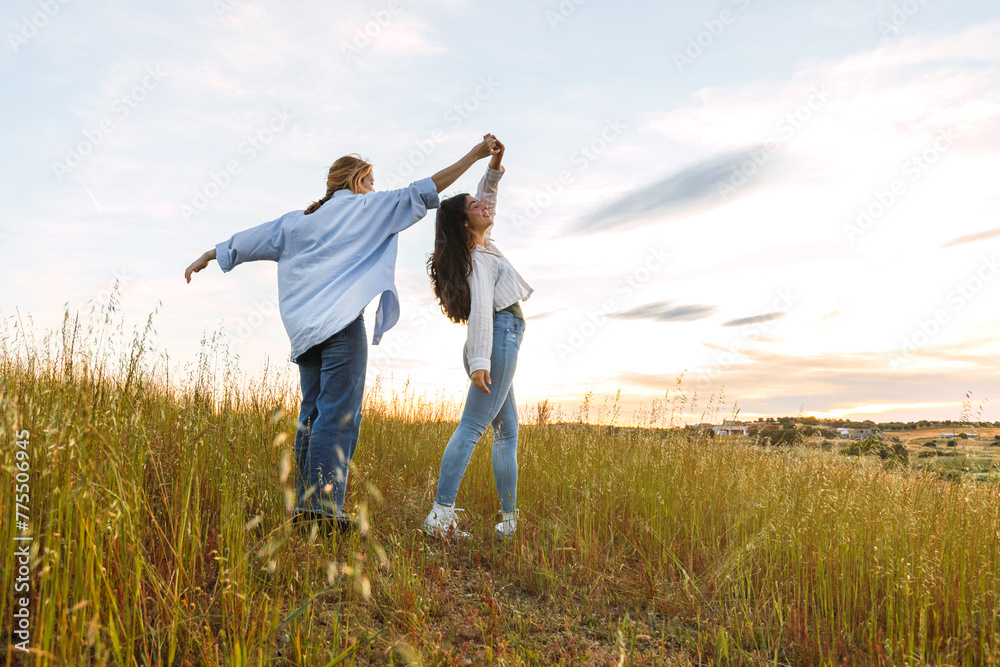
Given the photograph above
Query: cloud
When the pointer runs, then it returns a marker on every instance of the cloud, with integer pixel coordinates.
(695, 184)
(547, 313)
(664, 312)
(756, 319)
(972, 238)
(862, 114)
(407, 39)
(780, 384)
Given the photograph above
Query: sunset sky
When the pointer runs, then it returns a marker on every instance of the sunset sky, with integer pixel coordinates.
(798, 202)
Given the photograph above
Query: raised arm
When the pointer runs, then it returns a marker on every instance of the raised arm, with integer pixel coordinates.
(486, 194)
(450, 174)
(497, 156)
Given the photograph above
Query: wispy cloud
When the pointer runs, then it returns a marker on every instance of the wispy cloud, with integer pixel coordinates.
(410, 38)
(547, 313)
(756, 319)
(695, 184)
(972, 238)
(780, 384)
(665, 312)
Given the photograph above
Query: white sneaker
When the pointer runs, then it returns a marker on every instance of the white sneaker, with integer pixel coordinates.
(505, 529)
(441, 523)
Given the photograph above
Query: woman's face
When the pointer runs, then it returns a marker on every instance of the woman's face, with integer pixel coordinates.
(479, 219)
(368, 182)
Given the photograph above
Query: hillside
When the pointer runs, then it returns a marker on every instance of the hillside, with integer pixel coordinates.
(161, 535)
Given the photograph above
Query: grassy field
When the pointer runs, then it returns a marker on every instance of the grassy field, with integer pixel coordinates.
(161, 535)
(985, 434)
(950, 459)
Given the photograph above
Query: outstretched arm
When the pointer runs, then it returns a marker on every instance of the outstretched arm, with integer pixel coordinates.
(199, 264)
(449, 175)
(257, 243)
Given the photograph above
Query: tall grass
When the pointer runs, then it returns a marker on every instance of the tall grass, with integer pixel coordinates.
(161, 506)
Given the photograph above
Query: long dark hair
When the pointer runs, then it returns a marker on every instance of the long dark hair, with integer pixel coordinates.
(451, 263)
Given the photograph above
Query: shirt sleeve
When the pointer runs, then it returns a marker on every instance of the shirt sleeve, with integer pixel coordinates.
(487, 192)
(264, 241)
(479, 345)
(403, 208)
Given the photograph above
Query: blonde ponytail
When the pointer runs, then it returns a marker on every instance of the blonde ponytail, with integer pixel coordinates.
(345, 174)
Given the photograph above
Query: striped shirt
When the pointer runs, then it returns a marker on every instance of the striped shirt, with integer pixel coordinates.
(494, 284)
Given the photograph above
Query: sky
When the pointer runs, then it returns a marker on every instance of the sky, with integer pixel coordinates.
(778, 208)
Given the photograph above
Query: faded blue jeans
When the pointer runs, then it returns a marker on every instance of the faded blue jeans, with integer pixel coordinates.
(333, 385)
(481, 410)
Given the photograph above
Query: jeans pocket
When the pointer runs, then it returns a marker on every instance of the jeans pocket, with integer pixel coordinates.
(513, 336)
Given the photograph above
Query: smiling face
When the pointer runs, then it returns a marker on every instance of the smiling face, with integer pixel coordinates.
(368, 182)
(479, 218)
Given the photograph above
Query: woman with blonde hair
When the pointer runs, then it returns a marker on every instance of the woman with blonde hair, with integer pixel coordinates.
(475, 283)
(333, 259)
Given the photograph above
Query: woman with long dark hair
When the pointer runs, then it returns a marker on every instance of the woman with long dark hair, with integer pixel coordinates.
(475, 283)
(333, 258)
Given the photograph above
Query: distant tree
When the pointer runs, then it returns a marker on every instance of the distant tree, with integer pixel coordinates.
(785, 436)
(951, 443)
(874, 446)
(963, 436)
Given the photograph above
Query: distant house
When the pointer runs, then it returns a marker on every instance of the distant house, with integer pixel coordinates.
(947, 435)
(731, 429)
(864, 433)
(843, 433)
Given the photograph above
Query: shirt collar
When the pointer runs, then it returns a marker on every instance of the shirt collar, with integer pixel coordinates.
(341, 193)
(489, 247)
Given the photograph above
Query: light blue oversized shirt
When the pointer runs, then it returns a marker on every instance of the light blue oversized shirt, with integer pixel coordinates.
(334, 261)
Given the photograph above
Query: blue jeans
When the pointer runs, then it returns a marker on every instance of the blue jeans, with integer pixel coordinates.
(333, 385)
(481, 409)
